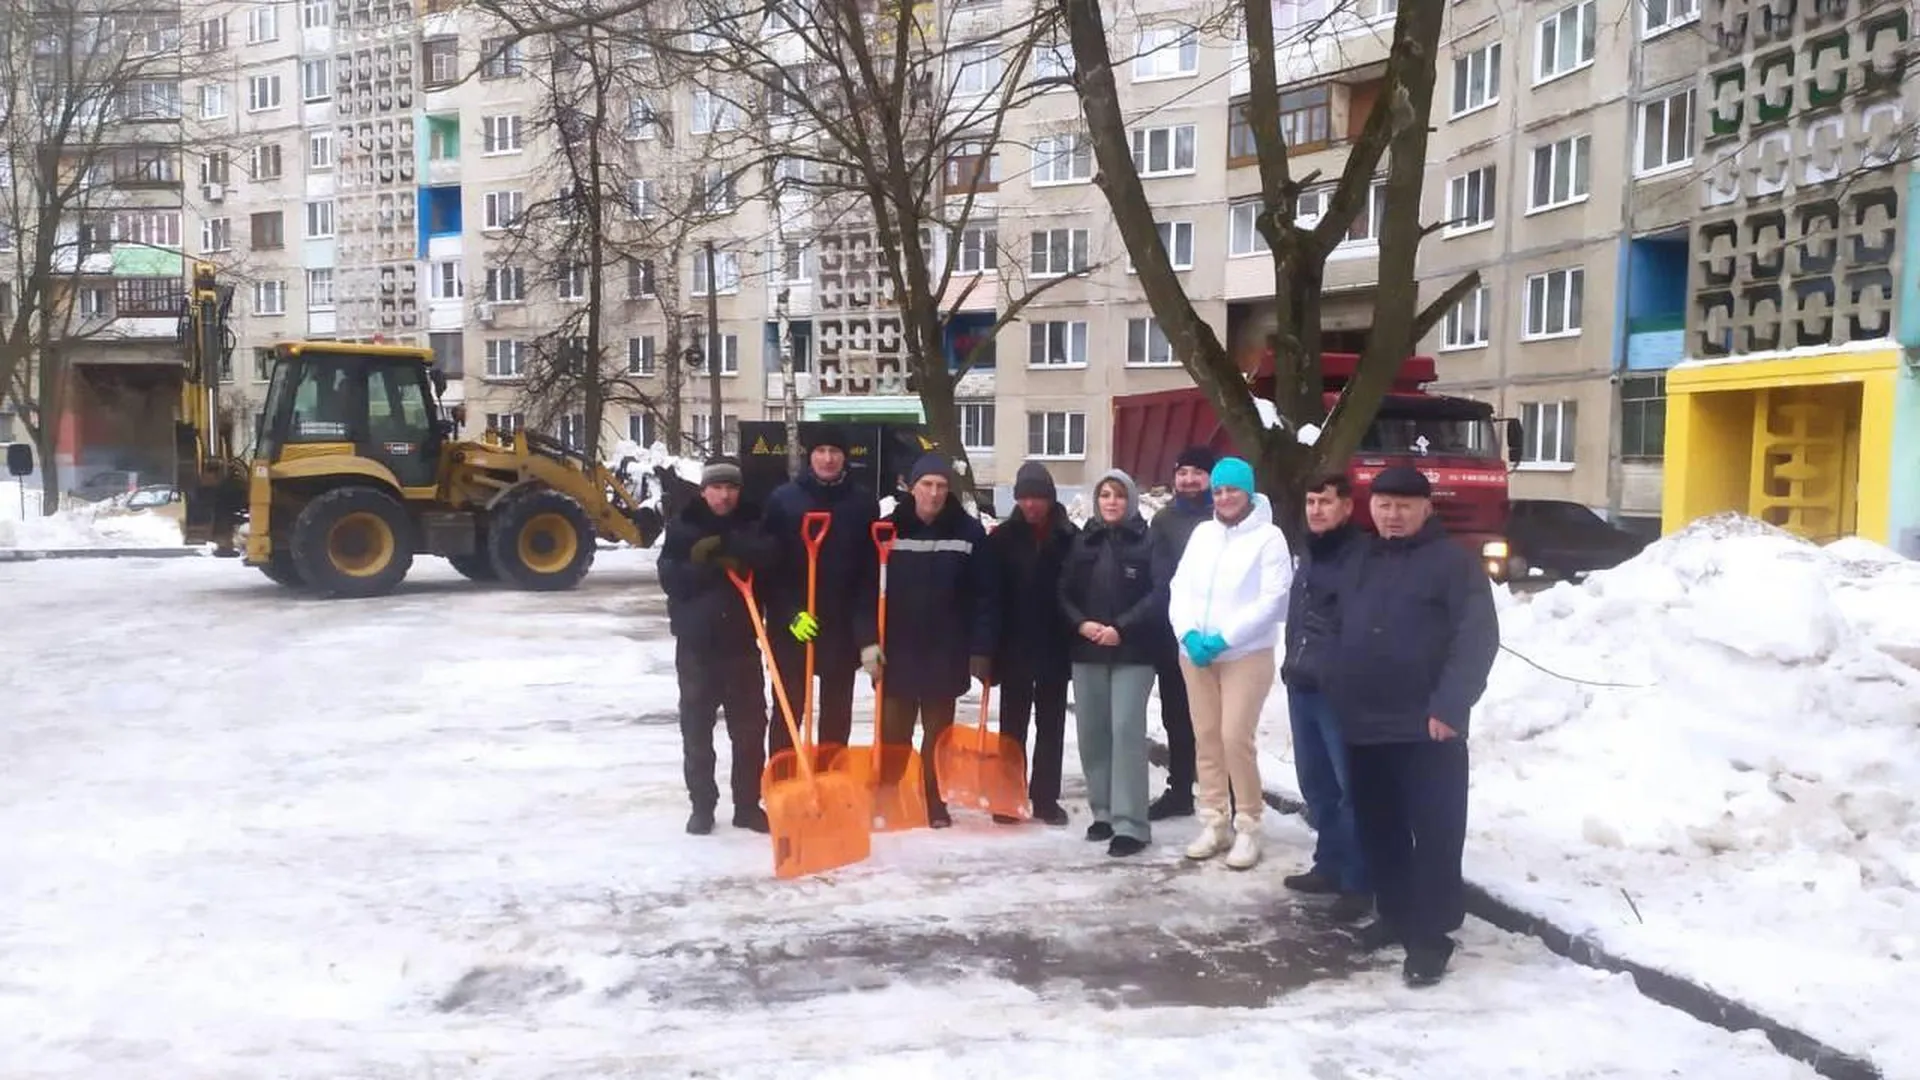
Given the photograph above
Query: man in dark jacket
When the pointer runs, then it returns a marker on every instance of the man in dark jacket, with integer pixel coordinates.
(1031, 663)
(1320, 585)
(844, 623)
(715, 655)
(1192, 504)
(942, 592)
(1417, 640)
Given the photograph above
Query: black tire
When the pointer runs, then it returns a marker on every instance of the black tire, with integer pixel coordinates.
(475, 567)
(353, 542)
(541, 540)
(280, 568)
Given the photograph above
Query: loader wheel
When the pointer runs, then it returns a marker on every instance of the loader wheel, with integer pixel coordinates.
(353, 542)
(280, 568)
(541, 540)
(475, 567)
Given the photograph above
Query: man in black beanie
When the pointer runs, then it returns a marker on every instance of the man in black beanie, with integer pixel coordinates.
(848, 586)
(1172, 526)
(1033, 664)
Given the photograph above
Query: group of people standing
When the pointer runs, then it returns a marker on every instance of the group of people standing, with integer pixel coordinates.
(1385, 643)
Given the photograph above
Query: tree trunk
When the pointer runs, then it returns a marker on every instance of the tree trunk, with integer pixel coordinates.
(594, 405)
(44, 427)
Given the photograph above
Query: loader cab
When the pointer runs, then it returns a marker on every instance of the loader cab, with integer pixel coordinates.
(372, 401)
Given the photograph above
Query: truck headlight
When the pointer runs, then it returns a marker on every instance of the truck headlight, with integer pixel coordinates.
(1493, 549)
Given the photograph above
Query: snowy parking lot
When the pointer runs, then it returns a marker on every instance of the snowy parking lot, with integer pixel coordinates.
(439, 835)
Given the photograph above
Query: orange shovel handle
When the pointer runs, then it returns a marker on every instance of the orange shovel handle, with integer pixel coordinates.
(745, 585)
(813, 538)
(883, 533)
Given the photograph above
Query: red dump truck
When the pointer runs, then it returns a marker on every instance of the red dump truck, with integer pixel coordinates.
(1454, 440)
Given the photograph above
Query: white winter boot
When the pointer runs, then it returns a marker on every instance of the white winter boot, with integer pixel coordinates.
(1246, 843)
(1213, 837)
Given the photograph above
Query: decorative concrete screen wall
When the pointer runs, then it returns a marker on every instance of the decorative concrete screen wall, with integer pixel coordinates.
(1798, 240)
(861, 346)
(376, 287)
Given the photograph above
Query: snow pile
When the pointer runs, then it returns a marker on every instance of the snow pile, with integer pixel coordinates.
(90, 526)
(1739, 756)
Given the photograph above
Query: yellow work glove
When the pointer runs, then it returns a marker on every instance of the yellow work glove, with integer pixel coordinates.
(803, 627)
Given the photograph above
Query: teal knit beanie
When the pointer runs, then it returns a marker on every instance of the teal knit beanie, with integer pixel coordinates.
(1234, 473)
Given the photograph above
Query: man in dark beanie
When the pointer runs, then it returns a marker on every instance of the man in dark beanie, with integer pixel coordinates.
(846, 590)
(1032, 664)
(715, 656)
(1418, 636)
(941, 596)
(1192, 504)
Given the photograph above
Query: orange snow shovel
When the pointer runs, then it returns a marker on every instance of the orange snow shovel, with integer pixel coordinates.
(818, 821)
(804, 741)
(982, 769)
(894, 774)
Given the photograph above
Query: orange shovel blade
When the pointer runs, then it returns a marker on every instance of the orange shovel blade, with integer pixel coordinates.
(982, 770)
(817, 823)
(898, 788)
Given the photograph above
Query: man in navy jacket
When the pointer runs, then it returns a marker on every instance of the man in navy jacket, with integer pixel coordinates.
(1031, 663)
(1418, 637)
(942, 596)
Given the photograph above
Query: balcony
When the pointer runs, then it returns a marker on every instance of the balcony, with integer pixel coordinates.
(1656, 310)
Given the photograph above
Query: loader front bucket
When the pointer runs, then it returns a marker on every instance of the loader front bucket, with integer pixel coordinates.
(982, 770)
(895, 780)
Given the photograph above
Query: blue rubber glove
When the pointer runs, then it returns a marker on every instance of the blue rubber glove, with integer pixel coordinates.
(1215, 645)
(1196, 648)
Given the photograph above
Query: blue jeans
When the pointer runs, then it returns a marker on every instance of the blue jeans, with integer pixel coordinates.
(1320, 763)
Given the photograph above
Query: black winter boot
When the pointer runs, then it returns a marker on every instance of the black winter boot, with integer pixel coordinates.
(1172, 803)
(1427, 964)
(750, 817)
(700, 822)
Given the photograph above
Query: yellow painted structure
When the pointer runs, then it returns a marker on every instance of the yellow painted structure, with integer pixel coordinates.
(1804, 441)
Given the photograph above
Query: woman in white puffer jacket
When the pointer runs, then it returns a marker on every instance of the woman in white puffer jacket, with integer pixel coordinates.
(1226, 604)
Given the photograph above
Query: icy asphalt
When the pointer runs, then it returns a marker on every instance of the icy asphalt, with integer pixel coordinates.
(248, 834)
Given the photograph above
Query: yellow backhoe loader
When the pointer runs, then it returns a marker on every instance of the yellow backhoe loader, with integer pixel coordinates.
(353, 473)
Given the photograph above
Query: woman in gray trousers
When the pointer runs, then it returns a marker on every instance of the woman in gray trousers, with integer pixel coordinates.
(1109, 594)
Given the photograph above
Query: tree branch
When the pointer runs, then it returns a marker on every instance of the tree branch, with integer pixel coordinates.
(1437, 309)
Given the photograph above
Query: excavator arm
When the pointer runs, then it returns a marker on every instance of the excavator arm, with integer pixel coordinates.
(212, 482)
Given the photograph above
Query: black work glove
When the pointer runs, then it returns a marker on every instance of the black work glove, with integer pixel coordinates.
(704, 549)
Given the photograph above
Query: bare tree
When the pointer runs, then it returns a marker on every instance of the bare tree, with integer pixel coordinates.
(90, 113)
(1395, 131)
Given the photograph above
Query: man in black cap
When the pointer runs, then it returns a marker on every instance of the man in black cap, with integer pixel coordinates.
(1172, 526)
(844, 624)
(715, 656)
(942, 593)
(1417, 639)
(1033, 664)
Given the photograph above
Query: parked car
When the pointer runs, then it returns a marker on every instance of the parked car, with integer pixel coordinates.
(101, 486)
(1566, 539)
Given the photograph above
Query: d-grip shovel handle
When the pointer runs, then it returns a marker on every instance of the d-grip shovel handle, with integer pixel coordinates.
(812, 535)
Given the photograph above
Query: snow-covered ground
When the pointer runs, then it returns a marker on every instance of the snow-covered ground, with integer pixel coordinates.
(90, 525)
(1730, 794)
(439, 835)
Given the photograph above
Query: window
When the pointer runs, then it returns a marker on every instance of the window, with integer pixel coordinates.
(1057, 344)
(1547, 427)
(502, 134)
(976, 425)
(506, 284)
(263, 92)
(1289, 14)
(640, 281)
(1306, 118)
(1659, 16)
(1476, 79)
(1241, 147)
(792, 262)
(213, 100)
(505, 423)
(640, 198)
(216, 234)
(1565, 41)
(1053, 64)
(216, 167)
(642, 123)
(213, 34)
(266, 162)
(977, 70)
(1666, 133)
(320, 290)
(1465, 326)
(1366, 224)
(149, 228)
(712, 112)
(1561, 173)
(1163, 151)
(446, 283)
(1057, 252)
(1062, 159)
(729, 350)
(263, 24)
(319, 151)
(571, 281)
(973, 167)
(640, 359)
(716, 191)
(1147, 344)
(316, 80)
(1056, 434)
(573, 431)
(1165, 52)
(269, 298)
(506, 358)
(726, 269)
(1553, 303)
(979, 249)
(268, 232)
(316, 14)
(642, 429)
(1177, 238)
(1643, 417)
(503, 209)
(1243, 234)
(442, 61)
(1470, 201)
(262, 364)
(500, 58)
(320, 219)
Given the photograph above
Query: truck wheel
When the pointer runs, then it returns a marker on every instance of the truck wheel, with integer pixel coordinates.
(541, 540)
(280, 569)
(353, 542)
(475, 567)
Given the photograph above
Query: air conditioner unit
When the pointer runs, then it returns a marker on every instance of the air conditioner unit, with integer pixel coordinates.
(213, 192)
(483, 312)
